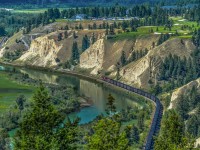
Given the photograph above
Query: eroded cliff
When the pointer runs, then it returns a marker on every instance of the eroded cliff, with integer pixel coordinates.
(183, 90)
(147, 68)
(43, 52)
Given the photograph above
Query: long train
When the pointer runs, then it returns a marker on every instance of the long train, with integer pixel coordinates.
(155, 124)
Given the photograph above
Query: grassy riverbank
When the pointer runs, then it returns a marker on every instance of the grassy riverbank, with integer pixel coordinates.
(10, 90)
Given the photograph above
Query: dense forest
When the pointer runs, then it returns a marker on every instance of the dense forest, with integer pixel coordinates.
(98, 2)
(146, 16)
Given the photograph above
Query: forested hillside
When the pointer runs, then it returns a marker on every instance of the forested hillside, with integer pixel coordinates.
(97, 2)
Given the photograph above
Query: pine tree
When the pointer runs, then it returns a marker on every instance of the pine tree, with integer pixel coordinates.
(140, 121)
(111, 108)
(66, 34)
(75, 52)
(60, 36)
(93, 38)
(85, 43)
(135, 134)
(172, 134)
(123, 58)
(107, 135)
(74, 35)
(41, 126)
(4, 139)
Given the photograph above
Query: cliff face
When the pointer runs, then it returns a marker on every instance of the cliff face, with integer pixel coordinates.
(43, 52)
(93, 57)
(105, 54)
(182, 90)
(146, 68)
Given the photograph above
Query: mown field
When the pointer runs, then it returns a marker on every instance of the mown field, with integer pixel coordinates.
(32, 11)
(10, 90)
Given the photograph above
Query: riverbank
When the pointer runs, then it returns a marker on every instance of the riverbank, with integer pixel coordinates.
(94, 85)
(87, 77)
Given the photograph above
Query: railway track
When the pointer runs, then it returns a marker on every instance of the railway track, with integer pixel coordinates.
(156, 121)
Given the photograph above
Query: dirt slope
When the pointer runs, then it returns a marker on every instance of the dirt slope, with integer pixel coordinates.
(140, 72)
(105, 54)
(182, 90)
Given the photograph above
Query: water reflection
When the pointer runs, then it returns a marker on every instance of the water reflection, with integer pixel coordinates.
(95, 92)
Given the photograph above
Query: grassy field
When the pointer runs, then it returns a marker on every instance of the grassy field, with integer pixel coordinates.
(30, 11)
(10, 90)
(33, 11)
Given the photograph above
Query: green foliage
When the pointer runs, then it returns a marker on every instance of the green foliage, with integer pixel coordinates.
(136, 55)
(75, 52)
(157, 89)
(20, 102)
(41, 127)
(85, 43)
(133, 134)
(123, 59)
(107, 135)
(163, 38)
(196, 37)
(60, 36)
(111, 108)
(140, 121)
(2, 31)
(4, 139)
(180, 71)
(172, 134)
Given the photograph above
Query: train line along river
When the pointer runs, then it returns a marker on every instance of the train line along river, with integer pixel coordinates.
(96, 92)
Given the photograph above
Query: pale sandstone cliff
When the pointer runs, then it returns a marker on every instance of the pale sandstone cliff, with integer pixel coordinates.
(182, 90)
(48, 51)
(43, 52)
(105, 54)
(140, 72)
(93, 57)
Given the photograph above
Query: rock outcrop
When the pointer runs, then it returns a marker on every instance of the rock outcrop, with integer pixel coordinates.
(105, 54)
(182, 90)
(140, 72)
(43, 52)
(93, 57)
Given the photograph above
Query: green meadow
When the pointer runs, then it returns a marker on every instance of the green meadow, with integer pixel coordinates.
(10, 90)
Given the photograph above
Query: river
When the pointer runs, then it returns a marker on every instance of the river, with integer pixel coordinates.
(94, 91)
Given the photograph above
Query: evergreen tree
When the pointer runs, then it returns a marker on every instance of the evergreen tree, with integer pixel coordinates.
(74, 35)
(4, 139)
(107, 135)
(85, 43)
(20, 102)
(123, 58)
(66, 34)
(124, 26)
(2, 31)
(140, 121)
(93, 38)
(182, 107)
(135, 134)
(60, 36)
(75, 52)
(172, 134)
(41, 126)
(111, 108)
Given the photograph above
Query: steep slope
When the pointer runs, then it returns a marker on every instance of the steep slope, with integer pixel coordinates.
(183, 90)
(49, 51)
(104, 55)
(140, 72)
(43, 52)
(93, 57)
(12, 45)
